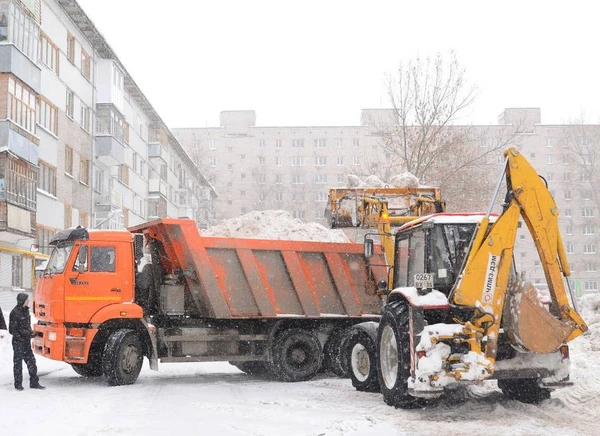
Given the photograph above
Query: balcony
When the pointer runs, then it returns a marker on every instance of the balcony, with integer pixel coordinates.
(14, 61)
(158, 152)
(109, 151)
(157, 186)
(16, 223)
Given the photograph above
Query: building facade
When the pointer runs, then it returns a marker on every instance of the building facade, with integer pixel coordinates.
(292, 168)
(79, 142)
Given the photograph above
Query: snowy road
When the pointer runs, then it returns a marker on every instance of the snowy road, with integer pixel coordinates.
(216, 399)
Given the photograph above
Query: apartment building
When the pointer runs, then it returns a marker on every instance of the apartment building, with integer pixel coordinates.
(79, 142)
(292, 168)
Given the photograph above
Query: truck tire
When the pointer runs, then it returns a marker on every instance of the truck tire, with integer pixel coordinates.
(335, 356)
(252, 368)
(122, 358)
(91, 369)
(362, 349)
(393, 350)
(524, 390)
(297, 355)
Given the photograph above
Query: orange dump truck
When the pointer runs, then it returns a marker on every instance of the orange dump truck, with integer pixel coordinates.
(108, 298)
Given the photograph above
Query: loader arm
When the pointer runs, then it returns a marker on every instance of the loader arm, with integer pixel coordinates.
(485, 282)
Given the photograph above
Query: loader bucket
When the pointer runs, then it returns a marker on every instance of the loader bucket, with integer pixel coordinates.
(529, 324)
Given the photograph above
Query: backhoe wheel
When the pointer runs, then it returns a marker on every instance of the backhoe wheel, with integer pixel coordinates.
(122, 359)
(335, 357)
(393, 349)
(297, 355)
(91, 369)
(362, 349)
(524, 390)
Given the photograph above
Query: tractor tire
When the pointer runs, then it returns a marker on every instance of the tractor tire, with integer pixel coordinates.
(123, 357)
(335, 357)
(393, 350)
(297, 355)
(524, 390)
(362, 349)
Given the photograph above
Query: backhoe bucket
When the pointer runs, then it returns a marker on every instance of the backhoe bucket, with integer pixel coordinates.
(529, 324)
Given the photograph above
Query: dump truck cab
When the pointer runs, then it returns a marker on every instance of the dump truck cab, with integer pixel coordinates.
(88, 279)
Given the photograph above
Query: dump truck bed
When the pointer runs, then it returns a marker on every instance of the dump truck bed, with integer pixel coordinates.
(248, 278)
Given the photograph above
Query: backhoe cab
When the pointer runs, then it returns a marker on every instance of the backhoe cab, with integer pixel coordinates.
(459, 313)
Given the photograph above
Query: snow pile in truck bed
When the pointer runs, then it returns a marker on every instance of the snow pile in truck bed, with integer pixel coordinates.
(274, 224)
(403, 180)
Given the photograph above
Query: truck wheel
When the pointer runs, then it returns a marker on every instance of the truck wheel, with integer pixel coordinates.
(122, 359)
(91, 369)
(252, 368)
(296, 355)
(335, 357)
(393, 363)
(362, 349)
(524, 390)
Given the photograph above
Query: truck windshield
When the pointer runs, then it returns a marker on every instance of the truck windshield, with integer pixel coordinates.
(58, 258)
(449, 245)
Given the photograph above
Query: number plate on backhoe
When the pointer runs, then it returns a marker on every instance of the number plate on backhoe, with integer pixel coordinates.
(424, 280)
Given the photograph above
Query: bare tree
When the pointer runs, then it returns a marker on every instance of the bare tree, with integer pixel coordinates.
(428, 96)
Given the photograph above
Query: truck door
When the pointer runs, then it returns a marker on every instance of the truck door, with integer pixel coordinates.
(93, 281)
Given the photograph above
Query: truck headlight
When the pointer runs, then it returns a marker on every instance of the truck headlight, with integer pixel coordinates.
(52, 336)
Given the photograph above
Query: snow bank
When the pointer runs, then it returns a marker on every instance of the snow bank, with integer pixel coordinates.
(274, 224)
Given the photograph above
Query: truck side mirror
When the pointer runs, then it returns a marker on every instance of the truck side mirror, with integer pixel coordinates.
(368, 248)
(82, 259)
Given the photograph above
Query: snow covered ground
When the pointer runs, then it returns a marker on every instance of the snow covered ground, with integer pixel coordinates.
(216, 398)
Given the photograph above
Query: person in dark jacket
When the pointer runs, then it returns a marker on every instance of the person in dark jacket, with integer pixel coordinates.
(19, 326)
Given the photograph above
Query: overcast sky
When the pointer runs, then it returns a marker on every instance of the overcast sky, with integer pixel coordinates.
(321, 62)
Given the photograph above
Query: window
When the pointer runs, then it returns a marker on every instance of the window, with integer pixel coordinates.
(71, 47)
(21, 104)
(70, 106)
(262, 161)
(320, 161)
(341, 178)
(567, 212)
(262, 179)
(340, 161)
(298, 197)
(83, 218)
(68, 216)
(339, 143)
(299, 179)
(550, 159)
(585, 177)
(102, 259)
(279, 196)
(17, 271)
(261, 196)
(569, 230)
(589, 248)
(86, 117)
(566, 159)
(98, 180)
(568, 195)
(548, 142)
(355, 143)
(212, 144)
(243, 156)
(590, 267)
(47, 178)
(570, 248)
(297, 143)
(320, 178)
(109, 122)
(586, 159)
(262, 143)
(297, 161)
(68, 160)
(24, 31)
(48, 53)
(531, 155)
(20, 182)
(229, 166)
(278, 143)
(123, 174)
(118, 77)
(589, 230)
(320, 143)
(243, 176)
(84, 171)
(550, 177)
(85, 64)
(277, 161)
(42, 238)
(355, 161)
(591, 285)
(278, 179)
(586, 195)
(321, 196)
(47, 115)
(300, 214)
(212, 162)
(567, 177)
(587, 212)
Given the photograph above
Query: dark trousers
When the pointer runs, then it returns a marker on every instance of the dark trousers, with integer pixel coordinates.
(22, 352)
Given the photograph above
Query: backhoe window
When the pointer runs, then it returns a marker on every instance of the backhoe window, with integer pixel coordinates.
(416, 255)
(58, 258)
(449, 244)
